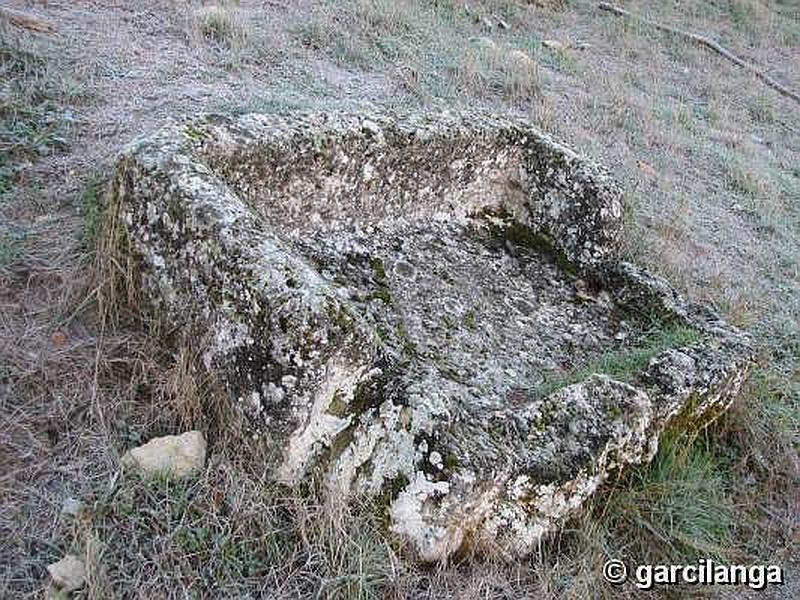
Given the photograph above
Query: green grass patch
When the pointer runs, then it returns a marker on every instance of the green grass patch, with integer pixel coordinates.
(7, 174)
(677, 508)
(767, 421)
(704, 495)
(10, 242)
(91, 211)
(744, 16)
(740, 175)
(628, 363)
(562, 61)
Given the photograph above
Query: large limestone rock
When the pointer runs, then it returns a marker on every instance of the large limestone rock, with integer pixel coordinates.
(418, 309)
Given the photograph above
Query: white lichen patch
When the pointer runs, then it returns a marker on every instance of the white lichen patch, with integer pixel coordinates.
(339, 383)
(411, 518)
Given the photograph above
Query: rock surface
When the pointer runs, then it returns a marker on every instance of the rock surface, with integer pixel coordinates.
(172, 455)
(420, 309)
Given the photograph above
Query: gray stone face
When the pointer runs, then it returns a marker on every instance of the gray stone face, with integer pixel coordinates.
(417, 308)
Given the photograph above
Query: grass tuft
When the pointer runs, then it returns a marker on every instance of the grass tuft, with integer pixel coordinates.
(33, 122)
(232, 529)
(677, 509)
(10, 240)
(627, 364)
(114, 266)
(192, 535)
(435, 49)
(219, 24)
(764, 428)
(231, 30)
(91, 211)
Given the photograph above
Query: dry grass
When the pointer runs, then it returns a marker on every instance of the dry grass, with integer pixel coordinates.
(432, 48)
(764, 431)
(708, 158)
(232, 32)
(229, 530)
(488, 70)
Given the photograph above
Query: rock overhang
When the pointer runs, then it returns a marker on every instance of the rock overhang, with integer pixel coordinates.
(401, 303)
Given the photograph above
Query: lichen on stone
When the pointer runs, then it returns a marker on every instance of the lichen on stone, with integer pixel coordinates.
(382, 297)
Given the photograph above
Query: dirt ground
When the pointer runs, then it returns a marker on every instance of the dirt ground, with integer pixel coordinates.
(709, 158)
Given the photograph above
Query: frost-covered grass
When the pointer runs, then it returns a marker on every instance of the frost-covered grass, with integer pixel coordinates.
(628, 363)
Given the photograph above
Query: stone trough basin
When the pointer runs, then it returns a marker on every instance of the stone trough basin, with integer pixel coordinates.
(429, 311)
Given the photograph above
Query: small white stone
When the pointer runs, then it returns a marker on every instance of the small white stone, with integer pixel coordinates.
(554, 45)
(368, 172)
(371, 126)
(71, 507)
(68, 574)
(255, 402)
(176, 455)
